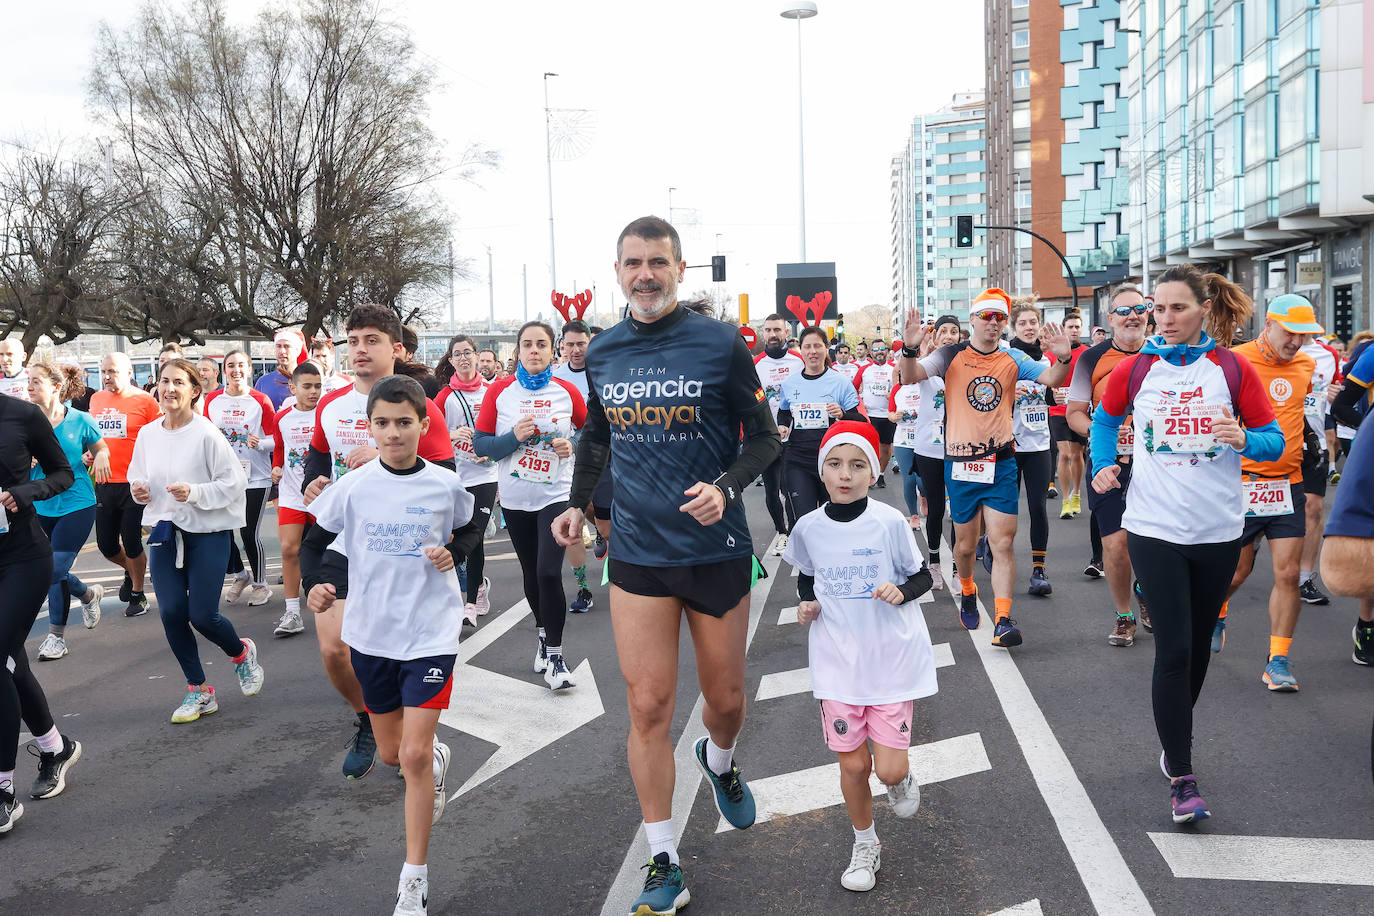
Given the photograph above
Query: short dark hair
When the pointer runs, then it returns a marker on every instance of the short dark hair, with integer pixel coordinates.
(398, 389)
(650, 228)
(542, 325)
(1070, 314)
(494, 354)
(577, 326)
(237, 352)
(321, 343)
(843, 346)
(185, 366)
(376, 316)
(595, 329)
(813, 331)
(410, 341)
(305, 368)
(171, 347)
(775, 317)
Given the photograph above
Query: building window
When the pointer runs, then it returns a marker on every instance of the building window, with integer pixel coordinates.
(1021, 159)
(1019, 3)
(1020, 38)
(1020, 79)
(1020, 118)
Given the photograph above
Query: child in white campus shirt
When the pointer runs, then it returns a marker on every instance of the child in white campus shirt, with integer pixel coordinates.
(859, 575)
(398, 516)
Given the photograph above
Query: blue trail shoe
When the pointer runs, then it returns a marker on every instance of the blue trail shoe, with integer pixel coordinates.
(734, 801)
(665, 889)
(362, 750)
(968, 611)
(1005, 634)
(1278, 674)
(1219, 635)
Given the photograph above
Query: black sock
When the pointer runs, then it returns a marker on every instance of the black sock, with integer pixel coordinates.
(1365, 624)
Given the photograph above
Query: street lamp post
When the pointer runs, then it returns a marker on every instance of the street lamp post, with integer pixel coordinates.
(799, 10)
(548, 158)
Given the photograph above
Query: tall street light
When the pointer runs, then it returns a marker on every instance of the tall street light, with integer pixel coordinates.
(548, 151)
(799, 10)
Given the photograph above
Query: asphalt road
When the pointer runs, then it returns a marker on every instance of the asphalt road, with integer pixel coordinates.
(1041, 792)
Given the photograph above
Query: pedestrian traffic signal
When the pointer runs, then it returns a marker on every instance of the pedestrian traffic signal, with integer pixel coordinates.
(717, 268)
(963, 232)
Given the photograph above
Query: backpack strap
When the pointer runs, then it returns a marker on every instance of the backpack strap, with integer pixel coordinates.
(1230, 367)
(1139, 369)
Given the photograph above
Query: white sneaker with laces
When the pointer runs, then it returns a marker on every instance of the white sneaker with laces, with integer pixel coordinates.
(442, 755)
(937, 579)
(290, 624)
(864, 863)
(90, 610)
(53, 648)
(556, 675)
(196, 703)
(470, 615)
(905, 796)
(541, 657)
(258, 595)
(413, 898)
(483, 601)
(249, 672)
(779, 545)
(235, 588)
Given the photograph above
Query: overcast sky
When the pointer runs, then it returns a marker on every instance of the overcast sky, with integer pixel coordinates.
(699, 96)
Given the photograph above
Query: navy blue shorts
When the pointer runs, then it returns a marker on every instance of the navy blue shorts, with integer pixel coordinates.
(1002, 495)
(389, 684)
(1274, 527)
(1110, 506)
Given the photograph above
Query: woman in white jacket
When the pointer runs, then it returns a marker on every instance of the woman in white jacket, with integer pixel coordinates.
(187, 475)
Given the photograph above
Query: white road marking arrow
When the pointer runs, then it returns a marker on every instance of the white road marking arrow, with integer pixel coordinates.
(1303, 860)
(1029, 908)
(520, 717)
(819, 787)
(798, 680)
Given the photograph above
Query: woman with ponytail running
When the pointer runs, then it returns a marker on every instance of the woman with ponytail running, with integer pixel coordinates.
(1197, 409)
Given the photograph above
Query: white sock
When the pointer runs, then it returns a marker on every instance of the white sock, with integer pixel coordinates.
(293, 605)
(718, 758)
(1306, 576)
(243, 574)
(867, 835)
(413, 871)
(660, 837)
(7, 785)
(438, 764)
(555, 650)
(50, 743)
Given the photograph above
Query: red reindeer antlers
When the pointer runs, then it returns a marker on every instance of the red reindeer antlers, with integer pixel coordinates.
(574, 307)
(813, 307)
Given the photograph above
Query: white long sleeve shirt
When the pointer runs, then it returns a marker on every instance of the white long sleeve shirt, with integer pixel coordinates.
(196, 454)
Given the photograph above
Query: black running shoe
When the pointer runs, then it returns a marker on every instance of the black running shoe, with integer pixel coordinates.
(52, 768)
(1094, 570)
(1039, 582)
(599, 548)
(126, 589)
(1363, 637)
(10, 810)
(1311, 594)
(138, 606)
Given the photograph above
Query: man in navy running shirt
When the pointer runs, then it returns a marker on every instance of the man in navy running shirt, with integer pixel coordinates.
(669, 392)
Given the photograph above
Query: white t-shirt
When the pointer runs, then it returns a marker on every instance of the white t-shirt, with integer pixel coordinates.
(773, 372)
(461, 408)
(875, 384)
(578, 377)
(1315, 407)
(17, 386)
(863, 651)
(849, 370)
(533, 476)
(905, 401)
(930, 421)
(1031, 419)
(199, 455)
(294, 431)
(241, 416)
(399, 606)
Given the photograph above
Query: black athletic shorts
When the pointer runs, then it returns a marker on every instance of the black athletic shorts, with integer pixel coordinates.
(1274, 527)
(1108, 507)
(887, 430)
(118, 521)
(710, 588)
(1060, 431)
(1315, 468)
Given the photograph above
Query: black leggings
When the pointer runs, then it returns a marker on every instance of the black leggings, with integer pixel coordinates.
(1184, 586)
(483, 498)
(541, 564)
(805, 492)
(932, 474)
(1034, 471)
(255, 502)
(778, 508)
(23, 586)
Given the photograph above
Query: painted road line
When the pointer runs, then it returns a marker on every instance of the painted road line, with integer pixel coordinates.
(787, 615)
(819, 787)
(492, 631)
(798, 680)
(1286, 859)
(630, 879)
(1029, 908)
(1108, 880)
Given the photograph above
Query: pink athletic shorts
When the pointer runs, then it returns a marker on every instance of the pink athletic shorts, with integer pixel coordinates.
(846, 727)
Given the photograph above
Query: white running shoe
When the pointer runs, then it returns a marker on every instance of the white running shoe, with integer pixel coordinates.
(196, 704)
(556, 675)
(236, 587)
(90, 610)
(53, 648)
(442, 755)
(249, 671)
(905, 796)
(290, 624)
(937, 579)
(864, 863)
(483, 601)
(470, 615)
(413, 898)
(779, 545)
(258, 595)
(541, 657)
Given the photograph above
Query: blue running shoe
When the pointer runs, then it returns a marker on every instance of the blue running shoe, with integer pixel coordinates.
(1278, 674)
(982, 547)
(1187, 803)
(362, 750)
(1004, 633)
(968, 611)
(1219, 635)
(665, 889)
(734, 801)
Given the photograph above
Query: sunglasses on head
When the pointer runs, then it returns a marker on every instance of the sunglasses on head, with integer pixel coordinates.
(1140, 308)
(990, 316)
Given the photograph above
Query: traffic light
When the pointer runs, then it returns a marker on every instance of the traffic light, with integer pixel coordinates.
(717, 268)
(963, 232)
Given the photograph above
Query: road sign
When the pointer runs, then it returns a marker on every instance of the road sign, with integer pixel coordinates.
(749, 336)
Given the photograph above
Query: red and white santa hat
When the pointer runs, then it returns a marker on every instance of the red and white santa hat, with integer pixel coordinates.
(295, 338)
(851, 432)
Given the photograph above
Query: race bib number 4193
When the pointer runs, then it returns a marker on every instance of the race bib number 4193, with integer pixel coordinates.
(537, 465)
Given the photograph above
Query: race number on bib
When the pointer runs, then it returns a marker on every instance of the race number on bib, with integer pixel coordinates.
(975, 471)
(1125, 439)
(537, 465)
(906, 436)
(1267, 497)
(1185, 427)
(1036, 417)
(462, 450)
(113, 425)
(1311, 405)
(810, 416)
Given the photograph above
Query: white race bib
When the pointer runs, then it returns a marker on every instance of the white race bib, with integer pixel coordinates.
(537, 465)
(1185, 428)
(1125, 439)
(980, 471)
(1035, 417)
(906, 436)
(810, 416)
(112, 425)
(462, 450)
(938, 430)
(1267, 497)
(1311, 405)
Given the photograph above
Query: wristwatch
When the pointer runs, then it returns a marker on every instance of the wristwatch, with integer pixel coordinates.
(910, 353)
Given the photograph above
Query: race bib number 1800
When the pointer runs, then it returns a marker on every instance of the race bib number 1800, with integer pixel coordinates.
(810, 416)
(537, 465)
(1036, 417)
(975, 471)
(1185, 427)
